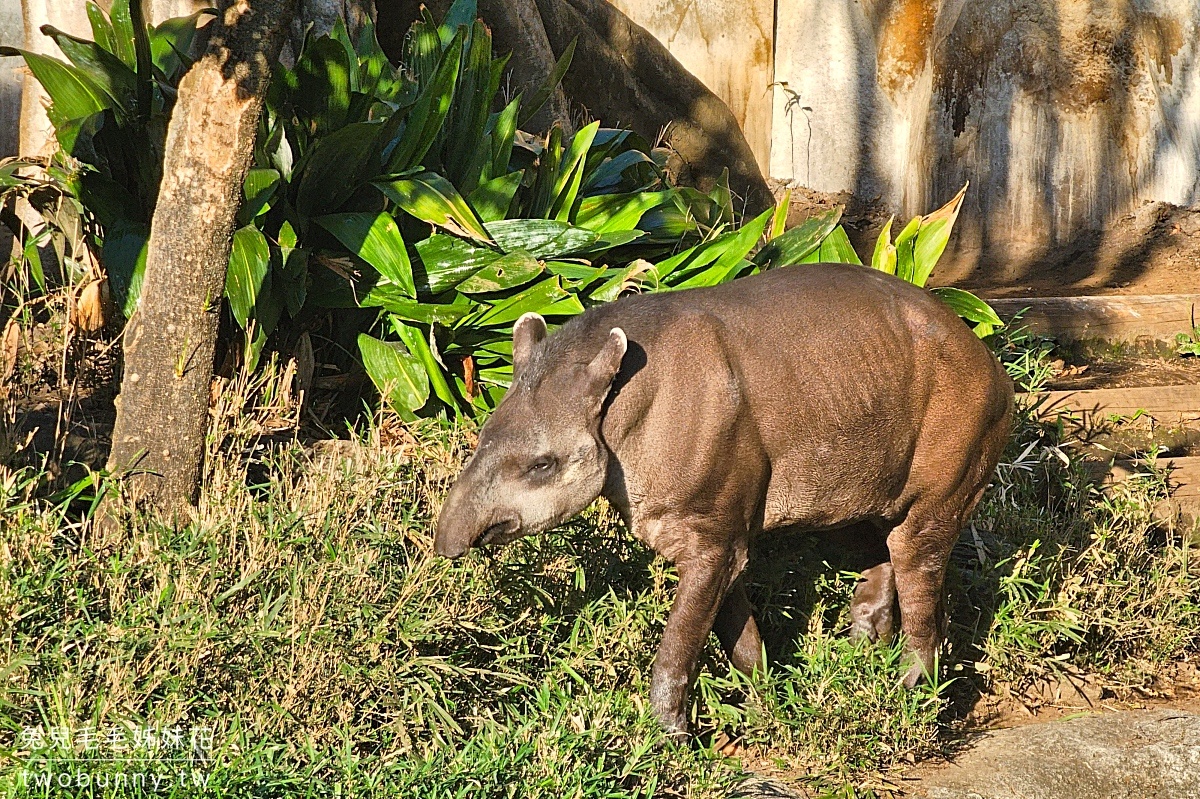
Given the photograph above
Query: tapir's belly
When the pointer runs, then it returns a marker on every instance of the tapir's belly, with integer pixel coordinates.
(834, 472)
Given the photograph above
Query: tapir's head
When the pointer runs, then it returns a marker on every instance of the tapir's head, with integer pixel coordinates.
(540, 458)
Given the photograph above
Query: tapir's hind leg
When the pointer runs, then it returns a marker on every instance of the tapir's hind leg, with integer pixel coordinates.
(920, 548)
(736, 628)
(873, 608)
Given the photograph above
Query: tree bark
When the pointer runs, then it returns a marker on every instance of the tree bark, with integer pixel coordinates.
(323, 15)
(517, 28)
(162, 410)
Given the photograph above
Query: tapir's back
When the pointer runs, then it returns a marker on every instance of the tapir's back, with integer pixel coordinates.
(847, 374)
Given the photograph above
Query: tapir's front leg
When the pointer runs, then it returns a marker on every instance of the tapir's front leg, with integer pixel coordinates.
(704, 578)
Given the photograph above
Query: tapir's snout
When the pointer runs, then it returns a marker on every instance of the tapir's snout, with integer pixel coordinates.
(455, 531)
(460, 526)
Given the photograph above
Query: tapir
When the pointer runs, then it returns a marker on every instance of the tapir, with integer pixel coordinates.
(809, 397)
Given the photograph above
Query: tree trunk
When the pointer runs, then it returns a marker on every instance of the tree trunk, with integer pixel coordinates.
(162, 410)
(517, 28)
(322, 15)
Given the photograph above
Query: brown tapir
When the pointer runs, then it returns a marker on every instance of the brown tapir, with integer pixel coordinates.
(812, 397)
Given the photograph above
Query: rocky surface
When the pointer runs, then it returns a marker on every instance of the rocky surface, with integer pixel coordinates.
(1127, 755)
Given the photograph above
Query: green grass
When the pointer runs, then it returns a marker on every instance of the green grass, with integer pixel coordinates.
(303, 618)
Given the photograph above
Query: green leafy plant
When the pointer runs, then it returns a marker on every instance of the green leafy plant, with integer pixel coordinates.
(109, 106)
(1188, 344)
(411, 191)
(915, 253)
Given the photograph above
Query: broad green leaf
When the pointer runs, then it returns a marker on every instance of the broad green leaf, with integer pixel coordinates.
(430, 197)
(257, 190)
(267, 310)
(122, 24)
(971, 308)
(905, 242)
(172, 40)
(103, 68)
(779, 220)
(102, 30)
(392, 300)
(731, 249)
(249, 259)
(337, 166)
(399, 376)
(506, 272)
(722, 197)
(933, 235)
(492, 199)
(425, 118)
(464, 144)
(884, 257)
(323, 72)
(539, 298)
(124, 258)
(611, 171)
(570, 175)
(633, 276)
(414, 338)
(73, 95)
(292, 278)
(376, 239)
(578, 276)
(539, 97)
(460, 13)
(448, 260)
(791, 246)
(340, 35)
(503, 132)
(143, 62)
(610, 212)
(836, 248)
(543, 238)
(33, 258)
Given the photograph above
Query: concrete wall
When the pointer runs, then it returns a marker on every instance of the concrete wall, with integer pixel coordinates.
(1063, 114)
(11, 33)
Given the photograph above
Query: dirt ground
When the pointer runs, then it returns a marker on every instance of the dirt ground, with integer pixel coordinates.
(1154, 250)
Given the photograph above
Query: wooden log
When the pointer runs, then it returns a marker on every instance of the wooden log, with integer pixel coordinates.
(1180, 510)
(1168, 405)
(1154, 317)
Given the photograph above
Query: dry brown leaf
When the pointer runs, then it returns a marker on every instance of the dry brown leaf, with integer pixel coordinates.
(88, 316)
(9, 343)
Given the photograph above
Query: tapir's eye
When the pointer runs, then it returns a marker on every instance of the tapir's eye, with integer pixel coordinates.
(542, 467)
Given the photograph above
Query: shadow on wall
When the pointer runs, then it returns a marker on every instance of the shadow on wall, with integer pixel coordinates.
(1065, 115)
(623, 76)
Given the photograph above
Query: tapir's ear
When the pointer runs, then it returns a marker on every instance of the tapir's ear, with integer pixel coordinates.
(528, 332)
(606, 364)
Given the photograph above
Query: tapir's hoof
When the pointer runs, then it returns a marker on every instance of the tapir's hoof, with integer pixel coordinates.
(916, 674)
(675, 726)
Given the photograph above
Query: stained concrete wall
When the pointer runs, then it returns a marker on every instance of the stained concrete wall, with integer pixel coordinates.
(11, 33)
(1063, 114)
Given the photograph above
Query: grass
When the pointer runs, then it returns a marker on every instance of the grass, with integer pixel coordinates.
(303, 622)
